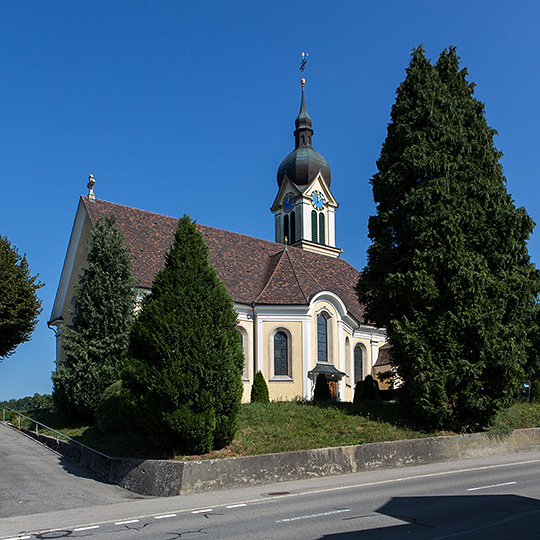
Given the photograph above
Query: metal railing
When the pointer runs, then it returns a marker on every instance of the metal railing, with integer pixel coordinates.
(57, 433)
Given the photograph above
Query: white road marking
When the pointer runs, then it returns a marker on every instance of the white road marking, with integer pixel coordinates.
(492, 486)
(236, 505)
(127, 522)
(202, 511)
(165, 516)
(313, 515)
(86, 528)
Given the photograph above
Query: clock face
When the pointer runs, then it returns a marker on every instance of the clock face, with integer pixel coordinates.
(317, 200)
(288, 202)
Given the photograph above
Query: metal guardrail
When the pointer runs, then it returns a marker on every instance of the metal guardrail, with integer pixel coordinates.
(57, 433)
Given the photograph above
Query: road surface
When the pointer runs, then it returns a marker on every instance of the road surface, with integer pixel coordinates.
(495, 498)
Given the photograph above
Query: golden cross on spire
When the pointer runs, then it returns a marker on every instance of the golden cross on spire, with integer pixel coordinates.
(303, 66)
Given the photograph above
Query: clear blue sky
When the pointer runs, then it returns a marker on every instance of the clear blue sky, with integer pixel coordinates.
(189, 107)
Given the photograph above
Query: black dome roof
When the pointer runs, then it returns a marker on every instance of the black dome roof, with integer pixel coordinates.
(303, 164)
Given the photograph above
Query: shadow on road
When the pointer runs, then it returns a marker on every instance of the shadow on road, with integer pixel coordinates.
(470, 517)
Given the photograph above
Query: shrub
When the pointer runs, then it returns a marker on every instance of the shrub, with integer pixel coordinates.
(535, 391)
(259, 390)
(322, 390)
(358, 392)
(371, 389)
(367, 390)
(110, 414)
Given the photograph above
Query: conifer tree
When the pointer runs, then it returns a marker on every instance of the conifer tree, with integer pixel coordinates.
(322, 389)
(259, 389)
(98, 334)
(182, 377)
(448, 271)
(19, 304)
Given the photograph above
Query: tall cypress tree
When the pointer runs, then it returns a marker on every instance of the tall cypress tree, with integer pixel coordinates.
(182, 375)
(98, 334)
(448, 270)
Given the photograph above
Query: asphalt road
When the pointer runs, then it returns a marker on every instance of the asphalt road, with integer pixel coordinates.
(496, 498)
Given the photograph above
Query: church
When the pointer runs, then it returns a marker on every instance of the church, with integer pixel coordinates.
(298, 314)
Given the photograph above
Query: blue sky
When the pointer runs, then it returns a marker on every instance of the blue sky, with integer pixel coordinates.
(189, 107)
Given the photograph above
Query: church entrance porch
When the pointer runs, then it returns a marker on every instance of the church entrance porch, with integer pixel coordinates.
(333, 376)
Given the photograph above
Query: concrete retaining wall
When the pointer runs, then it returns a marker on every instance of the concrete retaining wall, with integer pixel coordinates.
(167, 478)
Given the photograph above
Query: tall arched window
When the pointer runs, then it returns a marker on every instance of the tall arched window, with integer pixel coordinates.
(286, 237)
(293, 228)
(358, 375)
(281, 354)
(348, 360)
(313, 226)
(244, 342)
(321, 229)
(322, 339)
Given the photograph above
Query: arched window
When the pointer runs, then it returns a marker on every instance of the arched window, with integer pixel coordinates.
(348, 360)
(313, 226)
(321, 229)
(286, 237)
(358, 375)
(281, 354)
(322, 339)
(292, 239)
(244, 342)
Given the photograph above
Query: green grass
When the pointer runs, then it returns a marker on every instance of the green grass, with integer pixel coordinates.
(287, 426)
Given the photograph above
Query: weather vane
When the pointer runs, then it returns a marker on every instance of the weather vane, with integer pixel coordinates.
(303, 63)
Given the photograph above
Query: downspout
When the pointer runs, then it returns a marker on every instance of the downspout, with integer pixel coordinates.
(254, 318)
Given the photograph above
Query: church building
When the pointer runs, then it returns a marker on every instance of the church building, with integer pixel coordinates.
(298, 314)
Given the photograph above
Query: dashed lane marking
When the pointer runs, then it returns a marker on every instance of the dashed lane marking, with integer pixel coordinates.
(127, 522)
(86, 528)
(164, 516)
(313, 515)
(491, 486)
(202, 511)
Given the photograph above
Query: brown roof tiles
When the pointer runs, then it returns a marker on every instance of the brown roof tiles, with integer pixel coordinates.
(253, 270)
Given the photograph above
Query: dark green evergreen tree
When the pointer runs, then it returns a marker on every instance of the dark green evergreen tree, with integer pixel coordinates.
(183, 373)
(259, 389)
(19, 304)
(448, 271)
(98, 335)
(322, 389)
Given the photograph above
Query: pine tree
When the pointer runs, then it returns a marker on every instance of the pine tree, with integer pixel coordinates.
(98, 335)
(183, 373)
(322, 389)
(19, 304)
(259, 389)
(448, 270)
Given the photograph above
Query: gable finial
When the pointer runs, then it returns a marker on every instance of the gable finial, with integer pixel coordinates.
(90, 186)
(303, 67)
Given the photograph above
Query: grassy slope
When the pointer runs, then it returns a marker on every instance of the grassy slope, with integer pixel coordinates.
(286, 426)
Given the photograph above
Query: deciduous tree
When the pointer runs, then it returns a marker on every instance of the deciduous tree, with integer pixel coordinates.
(19, 304)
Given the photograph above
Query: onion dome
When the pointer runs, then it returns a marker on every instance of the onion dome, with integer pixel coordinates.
(303, 164)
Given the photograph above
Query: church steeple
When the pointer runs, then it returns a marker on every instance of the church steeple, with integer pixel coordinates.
(304, 163)
(304, 208)
(303, 132)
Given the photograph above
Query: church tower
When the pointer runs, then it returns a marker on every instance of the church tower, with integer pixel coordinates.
(304, 208)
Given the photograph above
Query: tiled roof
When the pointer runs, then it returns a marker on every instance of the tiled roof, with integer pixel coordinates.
(253, 270)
